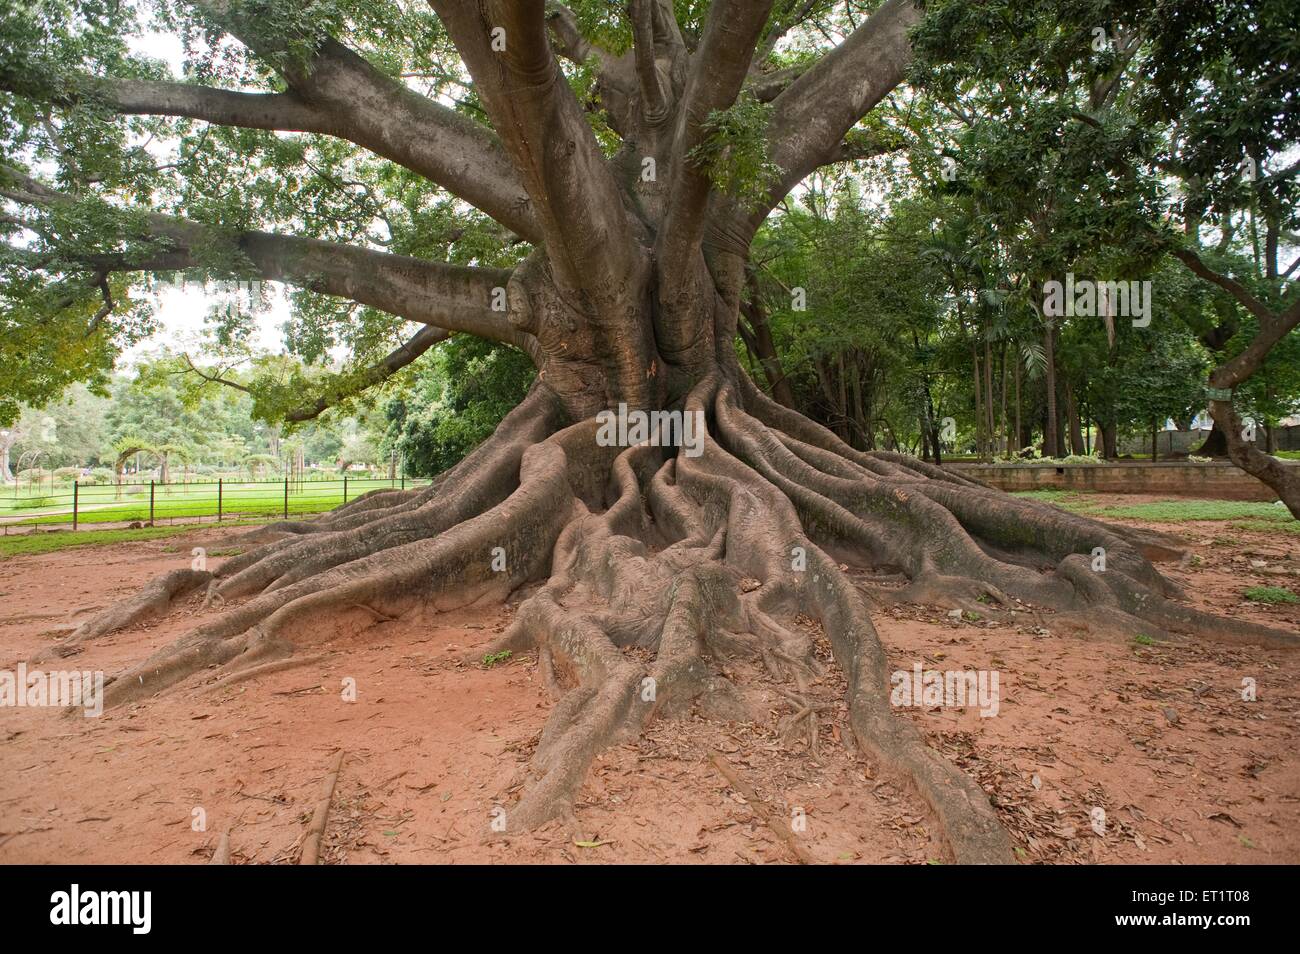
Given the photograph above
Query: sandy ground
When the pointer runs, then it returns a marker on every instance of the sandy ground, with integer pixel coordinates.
(1157, 737)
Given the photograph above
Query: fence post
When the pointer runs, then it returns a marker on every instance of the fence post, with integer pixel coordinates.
(345, 488)
(76, 492)
(218, 500)
(151, 503)
(286, 498)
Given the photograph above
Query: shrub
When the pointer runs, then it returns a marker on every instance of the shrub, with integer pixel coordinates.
(36, 503)
(1271, 595)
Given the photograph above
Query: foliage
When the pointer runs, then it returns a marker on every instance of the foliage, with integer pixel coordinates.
(734, 151)
(454, 403)
(1271, 594)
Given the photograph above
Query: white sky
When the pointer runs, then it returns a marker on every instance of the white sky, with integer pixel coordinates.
(181, 312)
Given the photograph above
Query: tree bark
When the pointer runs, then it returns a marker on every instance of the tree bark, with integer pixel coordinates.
(1072, 416)
(1052, 446)
(760, 329)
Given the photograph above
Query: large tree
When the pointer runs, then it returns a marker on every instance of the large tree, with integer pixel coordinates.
(634, 154)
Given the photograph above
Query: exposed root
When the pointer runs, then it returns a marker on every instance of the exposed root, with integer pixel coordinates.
(659, 567)
(265, 669)
(779, 826)
(221, 854)
(153, 601)
(316, 832)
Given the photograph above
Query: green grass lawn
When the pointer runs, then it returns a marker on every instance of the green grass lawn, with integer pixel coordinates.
(103, 504)
(27, 544)
(1243, 514)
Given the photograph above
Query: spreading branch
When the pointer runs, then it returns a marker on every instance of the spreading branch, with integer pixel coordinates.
(717, 74)
(348, 99)
(451, 297)
(375, 374)
(812, 117)
(1226, 282)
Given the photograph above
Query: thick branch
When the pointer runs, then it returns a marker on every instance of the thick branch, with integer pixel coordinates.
(616, 81)
(383, 115)
(377, 373)
(1240, 367)
(1230, 285)
(345, 97)
(766, 87)
(811, 118)
(388, 118)
(452, 297)
(719, 70)
(590, 233)
(654, 98)
(578, 204)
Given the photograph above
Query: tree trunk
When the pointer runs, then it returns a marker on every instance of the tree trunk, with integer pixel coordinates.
(760, 337)
(1282, 477)
(835, 416)
(1006, 434)
(1020, 442)
(990, 403)
(8, 438)
(859, 415)
(1072, 416)
(1109, 449)
(1052, 446)
(1215, 443)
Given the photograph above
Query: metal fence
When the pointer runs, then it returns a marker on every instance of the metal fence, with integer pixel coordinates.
(86, 506)
(1285, 438)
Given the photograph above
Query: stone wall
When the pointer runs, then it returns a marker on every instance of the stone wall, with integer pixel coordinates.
(1214, 481)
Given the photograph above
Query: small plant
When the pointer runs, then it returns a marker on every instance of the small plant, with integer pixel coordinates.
(491, 659)
(1142, 639)
(1271, 595)
(734, 153)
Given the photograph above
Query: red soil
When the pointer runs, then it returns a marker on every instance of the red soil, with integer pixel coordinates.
(1157, 736)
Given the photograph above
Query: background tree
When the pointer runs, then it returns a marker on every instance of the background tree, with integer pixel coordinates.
(1142, 129)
